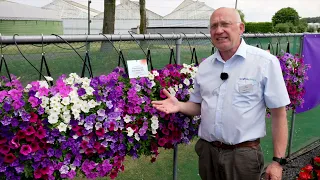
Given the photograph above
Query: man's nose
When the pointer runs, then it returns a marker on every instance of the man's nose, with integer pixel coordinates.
(219, 30)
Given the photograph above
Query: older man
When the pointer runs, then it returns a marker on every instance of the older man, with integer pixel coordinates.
(233, 87)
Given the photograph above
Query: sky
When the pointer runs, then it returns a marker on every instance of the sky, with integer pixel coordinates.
(254, 10)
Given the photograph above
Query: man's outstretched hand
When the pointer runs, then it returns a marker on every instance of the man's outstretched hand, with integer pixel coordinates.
(169, 105)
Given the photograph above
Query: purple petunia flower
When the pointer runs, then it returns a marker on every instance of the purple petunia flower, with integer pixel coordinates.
(6, 107)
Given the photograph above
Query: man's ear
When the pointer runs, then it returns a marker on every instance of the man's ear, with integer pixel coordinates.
(242, 28)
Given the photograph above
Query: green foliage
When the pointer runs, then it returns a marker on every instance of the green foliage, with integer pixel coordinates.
(311, 29)
(282, 28)
(242, 16)
(318, 30)
(286, 15)
(301, 28)
(258, 27)
(312, 19)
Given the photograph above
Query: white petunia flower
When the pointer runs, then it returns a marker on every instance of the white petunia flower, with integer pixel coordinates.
(130, 131)
(64, 169)
(85, 108)
(138, 87)
(186, 82)
(77, 116)
(27, 88)
(98, 125)
(154, 118)
(152, 84)
(62, 127)
(72, 167)
(65, 101)
(155, 73)
(43, 84)
(172, 91)
(53, 118)
(151, 76)
(127, 118)
(154, 131)
(48, 78)
(136, 136)
(69, 80)
(45, 101)
(75, 136)
(155, 125)
(176, 88)
(89, 91)
(66, 118)
(92, 103)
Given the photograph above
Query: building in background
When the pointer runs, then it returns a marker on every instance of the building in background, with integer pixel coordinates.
(22, 19)
(70, 9)
(69, 17)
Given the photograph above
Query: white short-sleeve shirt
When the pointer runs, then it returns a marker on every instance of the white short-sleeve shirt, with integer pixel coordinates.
(234, 110)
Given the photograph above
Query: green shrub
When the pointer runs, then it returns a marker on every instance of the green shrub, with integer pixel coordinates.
(258, 27)
(282, 28)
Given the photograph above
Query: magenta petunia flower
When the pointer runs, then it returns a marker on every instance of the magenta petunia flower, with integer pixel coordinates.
(3, 94)
(37, 174)
(41, 133)
(9, 158)
(25, 149)
(33, 118)
(21, 134)
(100, 132)
(43, 91)
(34, 101)
(3, 140)
(44, 170)
(30, 130)
(14, 143)
(35, 146)
(162, 141)
(4, 149)
(15, 94)
(31, 138)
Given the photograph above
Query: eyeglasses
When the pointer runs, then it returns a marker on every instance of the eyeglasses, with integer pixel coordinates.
(222, 24)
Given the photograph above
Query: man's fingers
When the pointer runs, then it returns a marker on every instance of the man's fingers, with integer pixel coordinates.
(156, 102)
(267, 176)
(165, 92)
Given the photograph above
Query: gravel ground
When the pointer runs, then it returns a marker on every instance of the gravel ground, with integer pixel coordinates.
(292, 168)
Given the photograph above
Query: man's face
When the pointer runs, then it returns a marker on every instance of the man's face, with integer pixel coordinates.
(225, 30)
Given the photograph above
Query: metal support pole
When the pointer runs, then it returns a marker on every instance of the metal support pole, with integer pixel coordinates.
(178, 50)
(236, 4)
(89, 20)
(175, 162)
(293, 117)
(175, 150)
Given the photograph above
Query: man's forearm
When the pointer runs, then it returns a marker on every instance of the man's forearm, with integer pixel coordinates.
(279, 133)
(190, 108)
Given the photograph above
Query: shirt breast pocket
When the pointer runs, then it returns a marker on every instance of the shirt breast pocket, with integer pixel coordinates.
(246, 93)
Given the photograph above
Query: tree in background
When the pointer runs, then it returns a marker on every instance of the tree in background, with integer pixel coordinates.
(241, 16)
(143, 17)
(109, 16)
(286, 15)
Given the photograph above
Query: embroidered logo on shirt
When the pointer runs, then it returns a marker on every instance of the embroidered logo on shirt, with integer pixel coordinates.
(246, 88)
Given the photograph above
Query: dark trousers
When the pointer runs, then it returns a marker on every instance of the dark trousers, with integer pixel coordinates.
(244, 163)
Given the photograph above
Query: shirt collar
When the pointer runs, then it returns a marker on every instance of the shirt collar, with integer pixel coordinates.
(241, 51)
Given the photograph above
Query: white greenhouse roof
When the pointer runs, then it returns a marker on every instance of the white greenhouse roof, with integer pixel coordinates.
(130, 10)
(70, 9)
(190, 9)
(16, 11)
